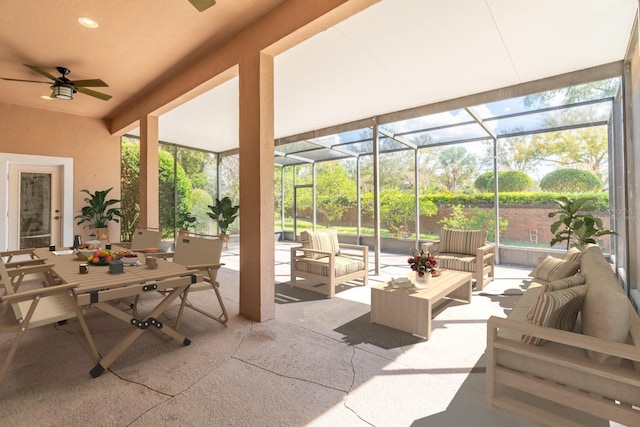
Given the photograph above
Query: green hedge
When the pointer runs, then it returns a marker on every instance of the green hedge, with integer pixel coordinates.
(541, 198)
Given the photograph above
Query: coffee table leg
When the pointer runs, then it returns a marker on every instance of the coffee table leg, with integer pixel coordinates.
(427, 334)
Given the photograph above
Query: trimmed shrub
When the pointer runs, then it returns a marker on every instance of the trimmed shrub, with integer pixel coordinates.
(482, 182)
(571, 181)
(507, 181)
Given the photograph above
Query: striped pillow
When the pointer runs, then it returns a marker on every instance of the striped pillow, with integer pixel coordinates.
(557, 309)
(320, 240)
(461, 241)
(574, 254)
(567, 282)
(552, 269)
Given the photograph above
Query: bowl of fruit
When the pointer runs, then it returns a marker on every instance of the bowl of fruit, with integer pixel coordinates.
(100, 257)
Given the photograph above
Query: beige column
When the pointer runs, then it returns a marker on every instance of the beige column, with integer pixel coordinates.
(257, 271)
(149, 175)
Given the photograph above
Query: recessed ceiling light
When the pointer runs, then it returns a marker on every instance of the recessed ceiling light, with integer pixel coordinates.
(47, 97)
(87, 22)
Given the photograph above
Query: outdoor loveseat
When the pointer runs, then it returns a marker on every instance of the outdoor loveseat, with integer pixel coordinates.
(325, 263)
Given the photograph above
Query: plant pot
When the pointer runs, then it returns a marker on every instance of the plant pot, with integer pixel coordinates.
(225, 239)
(102, 233)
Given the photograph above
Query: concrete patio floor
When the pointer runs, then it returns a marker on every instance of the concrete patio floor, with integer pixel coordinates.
(320, 362)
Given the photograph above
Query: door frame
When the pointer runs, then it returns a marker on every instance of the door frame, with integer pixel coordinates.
(66, 166)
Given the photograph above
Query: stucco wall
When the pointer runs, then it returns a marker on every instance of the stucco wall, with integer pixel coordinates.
(95, 152)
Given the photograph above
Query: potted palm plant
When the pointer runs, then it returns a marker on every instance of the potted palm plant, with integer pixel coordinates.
(224, 213)
(574, 225)
(98, 212)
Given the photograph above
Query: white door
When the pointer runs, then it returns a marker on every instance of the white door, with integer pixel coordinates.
(35, 207)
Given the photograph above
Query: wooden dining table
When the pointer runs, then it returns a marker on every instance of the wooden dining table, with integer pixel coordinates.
(100, 289)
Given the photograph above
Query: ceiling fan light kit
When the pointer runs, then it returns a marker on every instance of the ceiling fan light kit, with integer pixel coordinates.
(62, 92)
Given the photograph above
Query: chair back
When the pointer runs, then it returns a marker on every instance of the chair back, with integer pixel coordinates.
(192, 250)
(461, 241)
(7, 285)
(143, 239)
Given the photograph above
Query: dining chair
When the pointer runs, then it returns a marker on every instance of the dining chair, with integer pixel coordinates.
(144, 239)
(38, 307)
(202, 253)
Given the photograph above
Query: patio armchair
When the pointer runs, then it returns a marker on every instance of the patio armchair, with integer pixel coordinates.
(465, 250)
(321, 258)
(199, 252)
(38, 307)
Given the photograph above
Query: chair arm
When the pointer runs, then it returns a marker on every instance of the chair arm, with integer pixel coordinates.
(426, 246)
(204, 266)
(28, 269)
(29, 252)
(40, 292)
(355, 250)
(25, 262)
(294, 251)
(488, 248)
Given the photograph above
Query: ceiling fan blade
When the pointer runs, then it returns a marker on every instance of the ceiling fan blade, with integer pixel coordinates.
(202, 5)
(89, 83)
(94, 93)
(20, 80)
(41, 71)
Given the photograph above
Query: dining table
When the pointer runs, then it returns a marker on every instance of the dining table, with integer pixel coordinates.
(101, 288)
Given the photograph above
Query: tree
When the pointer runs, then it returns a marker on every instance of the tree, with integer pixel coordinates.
(593, 90)
(167, 197)
(397, 210)
(474, 219)
(336, 192)
(571, 181)
(130, 187)
(518, 153)
(456, 166)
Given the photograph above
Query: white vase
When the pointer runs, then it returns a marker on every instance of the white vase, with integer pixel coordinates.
(422, 282)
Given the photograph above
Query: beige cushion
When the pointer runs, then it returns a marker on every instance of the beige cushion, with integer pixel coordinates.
(605, 315)
(461, 241)
(557, 309)
(567, 282)
(320, 240)
(343, 266)
(574, 254)
(551, 269)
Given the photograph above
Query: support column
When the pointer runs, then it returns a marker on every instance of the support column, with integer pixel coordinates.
(149, 174)
(257, 255)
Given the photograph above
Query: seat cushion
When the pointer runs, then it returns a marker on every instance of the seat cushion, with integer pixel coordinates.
(461, 241)
(456, 261)
(344, 266)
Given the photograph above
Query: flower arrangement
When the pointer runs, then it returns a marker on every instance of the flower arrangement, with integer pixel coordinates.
(423, 262)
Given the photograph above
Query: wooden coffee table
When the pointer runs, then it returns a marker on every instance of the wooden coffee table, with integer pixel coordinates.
(410, 309)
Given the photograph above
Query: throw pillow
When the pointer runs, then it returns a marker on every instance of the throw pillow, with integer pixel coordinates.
(567, 282)
(605, 315)
(551, 269)
(557, 309)
(574, 254)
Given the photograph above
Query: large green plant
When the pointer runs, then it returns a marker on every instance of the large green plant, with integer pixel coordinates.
(223, 213)
(573, 226)
(99, 211)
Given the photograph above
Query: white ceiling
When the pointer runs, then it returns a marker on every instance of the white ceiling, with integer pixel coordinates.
(394, 55)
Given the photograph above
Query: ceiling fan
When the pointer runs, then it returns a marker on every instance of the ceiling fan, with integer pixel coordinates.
(202, 5)
(63, 88)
